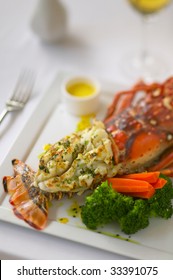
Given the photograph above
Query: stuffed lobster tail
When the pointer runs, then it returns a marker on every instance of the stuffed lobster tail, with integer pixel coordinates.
(140, 122)
(74, 164)
(29, 203)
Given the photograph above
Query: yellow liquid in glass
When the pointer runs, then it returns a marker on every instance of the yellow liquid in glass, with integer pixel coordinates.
(148, 6)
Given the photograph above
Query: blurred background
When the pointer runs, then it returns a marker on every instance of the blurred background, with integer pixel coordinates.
(99, 32)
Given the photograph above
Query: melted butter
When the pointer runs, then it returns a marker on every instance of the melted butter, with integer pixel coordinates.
(74, 210)
(118, 237)
(46, 147)
(81, 89)
(63, 220)
(113, 235)
(85, 122)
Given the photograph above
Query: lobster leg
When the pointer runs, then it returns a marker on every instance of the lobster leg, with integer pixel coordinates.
(168, 172)
(124, 99)
(121, 101)
(165, 165)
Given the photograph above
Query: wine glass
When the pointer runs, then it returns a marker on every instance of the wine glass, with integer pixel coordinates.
(145, 65)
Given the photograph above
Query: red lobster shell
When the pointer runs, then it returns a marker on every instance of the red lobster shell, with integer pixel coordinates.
(140, 122)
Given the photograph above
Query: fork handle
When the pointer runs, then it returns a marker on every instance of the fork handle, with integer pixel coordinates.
(3, 114)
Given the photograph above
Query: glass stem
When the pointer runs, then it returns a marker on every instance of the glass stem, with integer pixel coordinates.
(144, 39)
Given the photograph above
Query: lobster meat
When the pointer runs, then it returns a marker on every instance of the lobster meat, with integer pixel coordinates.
(135, 136)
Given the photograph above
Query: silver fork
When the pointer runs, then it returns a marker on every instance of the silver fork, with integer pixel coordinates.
(21, 94)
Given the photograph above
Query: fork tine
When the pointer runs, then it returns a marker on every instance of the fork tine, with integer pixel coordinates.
(20, 95)
(17, 87)
(23, 87)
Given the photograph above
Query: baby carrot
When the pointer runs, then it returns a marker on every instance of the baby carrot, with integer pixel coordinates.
(129, 185)
(160, 183)
(148, 194)
(150, 177)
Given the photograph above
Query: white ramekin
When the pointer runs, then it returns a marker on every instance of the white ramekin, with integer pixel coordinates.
(81, 106)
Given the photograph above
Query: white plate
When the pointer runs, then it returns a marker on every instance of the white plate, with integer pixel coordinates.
(53, 122)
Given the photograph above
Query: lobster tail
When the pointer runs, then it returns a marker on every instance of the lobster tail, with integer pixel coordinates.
(32, 213)
(9, 184)
(29, 203)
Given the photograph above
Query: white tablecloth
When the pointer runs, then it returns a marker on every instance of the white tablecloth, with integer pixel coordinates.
(99, 33)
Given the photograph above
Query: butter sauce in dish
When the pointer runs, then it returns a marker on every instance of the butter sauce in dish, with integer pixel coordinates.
(81, 89)
(81, 95)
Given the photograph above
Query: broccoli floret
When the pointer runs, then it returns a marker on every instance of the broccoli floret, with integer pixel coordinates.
(160, 204)
(135, 219)
(105, 205)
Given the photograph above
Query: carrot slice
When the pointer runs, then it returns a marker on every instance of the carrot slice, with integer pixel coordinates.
(150, 177)
(142, 185)
(148, 194)
(160, 183)
(129, 185)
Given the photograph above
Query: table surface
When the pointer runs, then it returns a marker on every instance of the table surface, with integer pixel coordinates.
(98, 35)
